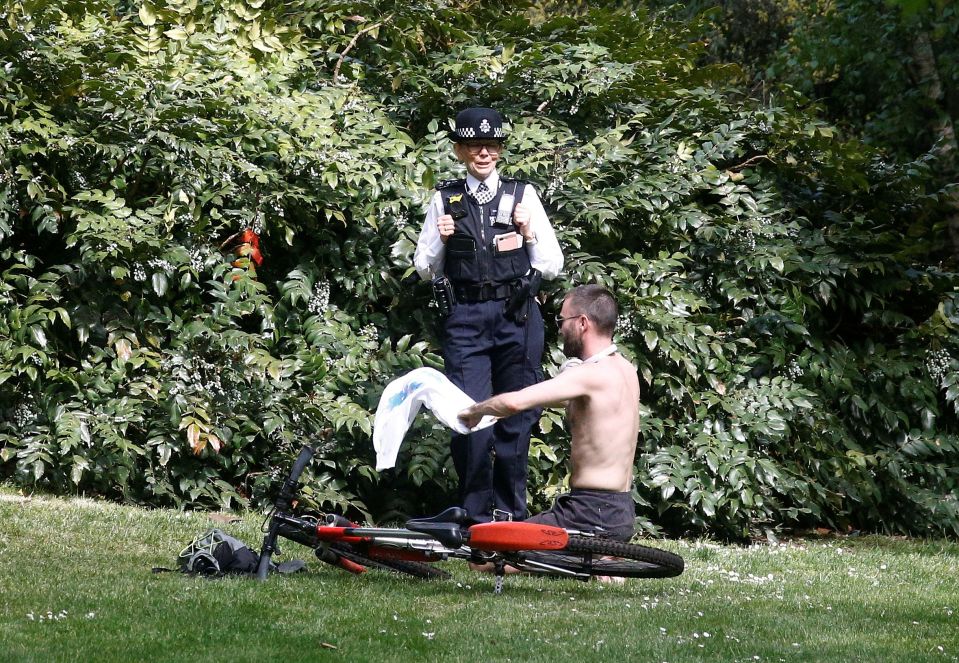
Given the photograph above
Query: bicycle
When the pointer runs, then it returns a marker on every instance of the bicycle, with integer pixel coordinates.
(414, 549)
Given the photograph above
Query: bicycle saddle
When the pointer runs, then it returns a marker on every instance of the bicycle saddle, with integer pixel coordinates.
(444, 526)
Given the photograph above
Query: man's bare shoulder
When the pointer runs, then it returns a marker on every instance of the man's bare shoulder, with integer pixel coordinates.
(602, 373)
(623, 361)
(616, 363)
(621, 369)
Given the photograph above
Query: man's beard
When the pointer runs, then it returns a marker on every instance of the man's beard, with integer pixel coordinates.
(573, 345)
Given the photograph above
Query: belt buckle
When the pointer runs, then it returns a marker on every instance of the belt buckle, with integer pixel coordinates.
(499, 515)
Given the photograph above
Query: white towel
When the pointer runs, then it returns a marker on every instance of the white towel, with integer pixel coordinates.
(402, 399)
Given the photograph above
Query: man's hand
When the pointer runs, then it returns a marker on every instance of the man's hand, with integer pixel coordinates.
(446, 226)
(521, 217)
(470, 417)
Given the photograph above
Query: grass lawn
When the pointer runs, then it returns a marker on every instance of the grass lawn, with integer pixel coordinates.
(76, 585)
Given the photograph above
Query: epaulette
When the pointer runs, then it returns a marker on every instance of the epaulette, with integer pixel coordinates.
(446, 184)
(503, 178)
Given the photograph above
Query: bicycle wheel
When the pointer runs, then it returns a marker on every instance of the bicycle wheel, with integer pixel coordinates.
(591, 556)
(420, 570)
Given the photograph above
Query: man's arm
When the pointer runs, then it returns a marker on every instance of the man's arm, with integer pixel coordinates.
(580, 381)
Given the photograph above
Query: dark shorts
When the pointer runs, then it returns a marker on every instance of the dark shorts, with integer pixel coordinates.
(603, 512)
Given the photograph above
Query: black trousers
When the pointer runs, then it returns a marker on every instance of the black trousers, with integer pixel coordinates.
(604, 512)
(487, 354)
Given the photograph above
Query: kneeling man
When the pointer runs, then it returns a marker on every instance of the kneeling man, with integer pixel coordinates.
(600, 391)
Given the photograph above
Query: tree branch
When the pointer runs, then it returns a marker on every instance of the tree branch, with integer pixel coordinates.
(349, 47)
(750, 161)
(946, 147)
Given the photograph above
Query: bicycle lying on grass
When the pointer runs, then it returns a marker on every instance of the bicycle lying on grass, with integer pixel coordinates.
(528, 547)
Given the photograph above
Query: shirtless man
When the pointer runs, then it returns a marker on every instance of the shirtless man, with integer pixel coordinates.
(600, 391)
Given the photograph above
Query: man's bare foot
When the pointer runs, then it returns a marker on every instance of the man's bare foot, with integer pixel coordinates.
(610, 580)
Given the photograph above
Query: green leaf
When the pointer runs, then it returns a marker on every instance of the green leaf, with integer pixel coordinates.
(160, 283)
(39, 335)
(651, 338)
(80, 465)
(64, 316)
(147, 14)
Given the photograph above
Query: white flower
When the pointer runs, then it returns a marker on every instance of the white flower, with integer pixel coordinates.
(626, 326)
(794, 370)
(370, 332)
(938, 363)
(320, 299)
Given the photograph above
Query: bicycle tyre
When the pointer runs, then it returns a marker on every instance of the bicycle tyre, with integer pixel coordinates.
(630, 560)
(420, 570)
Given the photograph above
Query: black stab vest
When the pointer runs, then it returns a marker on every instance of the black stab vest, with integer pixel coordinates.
(470, 254)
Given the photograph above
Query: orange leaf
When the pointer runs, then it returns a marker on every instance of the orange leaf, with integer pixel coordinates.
(195, 438)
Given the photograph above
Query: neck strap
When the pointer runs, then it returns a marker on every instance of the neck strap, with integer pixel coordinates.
(605, 352)
(575, 361)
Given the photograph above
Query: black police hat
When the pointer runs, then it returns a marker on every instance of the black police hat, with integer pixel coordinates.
(478, 124)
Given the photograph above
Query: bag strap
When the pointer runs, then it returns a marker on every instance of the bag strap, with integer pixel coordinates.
(518, 197)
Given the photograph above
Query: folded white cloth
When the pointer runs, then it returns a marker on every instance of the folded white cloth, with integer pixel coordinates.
(403, 398)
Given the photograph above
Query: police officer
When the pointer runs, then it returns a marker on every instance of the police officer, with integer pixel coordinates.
(486, 243)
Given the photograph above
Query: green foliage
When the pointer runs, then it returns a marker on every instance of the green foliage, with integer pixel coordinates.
(796, 345)
(138, 361)
(858, 61)
(863, 56)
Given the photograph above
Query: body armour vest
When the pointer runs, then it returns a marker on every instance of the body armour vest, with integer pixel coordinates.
(470, 254)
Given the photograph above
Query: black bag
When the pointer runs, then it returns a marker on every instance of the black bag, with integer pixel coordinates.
(216, 553)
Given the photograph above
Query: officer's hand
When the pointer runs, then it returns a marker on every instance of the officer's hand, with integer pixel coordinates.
(446, 226)
(521, 217)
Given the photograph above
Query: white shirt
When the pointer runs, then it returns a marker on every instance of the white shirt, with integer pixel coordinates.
(545, 255)
(403, 398)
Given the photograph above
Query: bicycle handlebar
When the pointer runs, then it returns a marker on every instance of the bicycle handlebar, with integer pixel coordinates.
(281, 506)
(289, 486)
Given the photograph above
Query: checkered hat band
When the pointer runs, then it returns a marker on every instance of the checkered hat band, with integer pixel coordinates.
(470, 132)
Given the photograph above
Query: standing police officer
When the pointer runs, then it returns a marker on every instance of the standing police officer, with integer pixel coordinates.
(485, 244)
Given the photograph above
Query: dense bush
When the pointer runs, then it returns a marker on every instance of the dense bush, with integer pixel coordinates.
(796, 348)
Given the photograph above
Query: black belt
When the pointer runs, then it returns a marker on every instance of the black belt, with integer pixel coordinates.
(484, 292)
